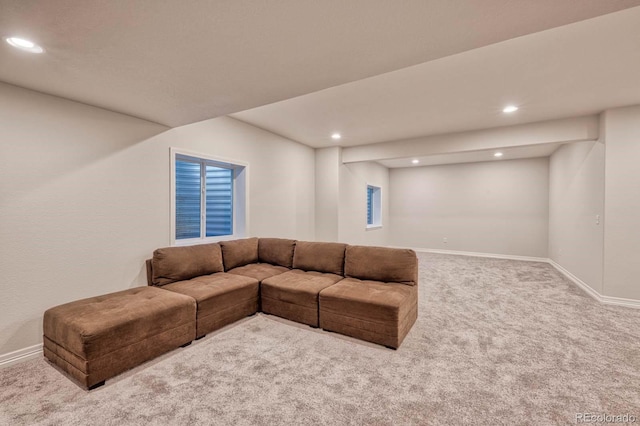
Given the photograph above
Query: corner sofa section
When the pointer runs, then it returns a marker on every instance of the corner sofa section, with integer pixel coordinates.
(197, 271)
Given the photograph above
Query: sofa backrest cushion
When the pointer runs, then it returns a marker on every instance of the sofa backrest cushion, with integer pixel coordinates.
(241, 252)
(276, 251)
(321, 257)
(381, 264)
(171, 264)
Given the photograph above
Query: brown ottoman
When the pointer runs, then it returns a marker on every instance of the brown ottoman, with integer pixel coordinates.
(98, 338)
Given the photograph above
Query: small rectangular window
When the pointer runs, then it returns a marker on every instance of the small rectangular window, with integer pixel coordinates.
(374, 217)
(204, 200)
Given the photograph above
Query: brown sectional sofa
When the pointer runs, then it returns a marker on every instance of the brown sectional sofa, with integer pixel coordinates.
(365, 292)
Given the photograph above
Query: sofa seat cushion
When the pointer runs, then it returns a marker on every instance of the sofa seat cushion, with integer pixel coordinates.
(294, 294)
(298, 287)
(97, 338)
(373, 300)
(259, 271)
(375, 311)
(222, 298)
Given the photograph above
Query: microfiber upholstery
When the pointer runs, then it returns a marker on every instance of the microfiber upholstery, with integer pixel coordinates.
(321, 257)
(381, 264)
(379, 312)
(190, 295)
(259, 271)
(171, 264)
(97, 338)
(276, 251)
(222, 298)
(294, 294)
(241, 252)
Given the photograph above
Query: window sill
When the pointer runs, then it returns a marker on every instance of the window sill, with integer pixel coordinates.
(207, 240)
(373, 227)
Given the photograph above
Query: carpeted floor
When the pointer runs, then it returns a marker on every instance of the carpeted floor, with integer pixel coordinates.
(496, 342)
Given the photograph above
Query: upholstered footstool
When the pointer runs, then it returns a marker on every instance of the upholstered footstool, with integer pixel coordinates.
(95, 339)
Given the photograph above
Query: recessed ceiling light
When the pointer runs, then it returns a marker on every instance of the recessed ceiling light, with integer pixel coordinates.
(510, 108)
(415, 161)
(336, 136)
(23, 44)
(498, 154)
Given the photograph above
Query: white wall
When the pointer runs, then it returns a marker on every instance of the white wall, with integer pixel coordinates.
(520, 135)
(498, 207)
(354, 179)
(576, 197)
(327, 195)
(622, 203)
(84, 198)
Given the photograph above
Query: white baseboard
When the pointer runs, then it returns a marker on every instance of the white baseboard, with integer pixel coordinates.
(35, 351)
(577, 281)
(621, 301)
(607, 300)
(475, 254)
(21, 355)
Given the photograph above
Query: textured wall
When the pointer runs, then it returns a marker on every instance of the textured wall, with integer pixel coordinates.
(498, 207)
(84, 198)
(576, 198)
(622, 203)
(354, 179)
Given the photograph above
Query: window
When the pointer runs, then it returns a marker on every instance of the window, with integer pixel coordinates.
(208, 198)
(374, 218)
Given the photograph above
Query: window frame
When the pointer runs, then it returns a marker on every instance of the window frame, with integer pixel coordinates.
(376, 207)
(240, 191)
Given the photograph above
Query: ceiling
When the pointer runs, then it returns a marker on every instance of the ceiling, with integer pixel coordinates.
(573, 70)
(510, 153)
(179, 62)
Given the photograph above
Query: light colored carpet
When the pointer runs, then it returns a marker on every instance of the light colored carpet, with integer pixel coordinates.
(496, 342)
